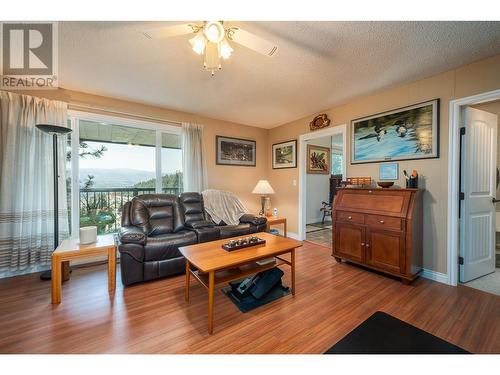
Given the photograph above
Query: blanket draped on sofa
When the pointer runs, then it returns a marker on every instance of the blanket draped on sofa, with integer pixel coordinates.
(223, 206)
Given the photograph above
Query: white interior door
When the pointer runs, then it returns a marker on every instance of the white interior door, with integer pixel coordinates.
(477, 225)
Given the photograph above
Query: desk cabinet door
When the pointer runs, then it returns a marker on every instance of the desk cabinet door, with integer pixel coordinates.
(350, 241)
(385, 250)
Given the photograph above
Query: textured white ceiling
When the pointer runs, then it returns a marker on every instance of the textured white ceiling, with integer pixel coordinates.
(318, 64)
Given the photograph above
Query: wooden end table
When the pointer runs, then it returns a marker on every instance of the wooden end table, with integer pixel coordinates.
(214, 265)
(71, 249)
(271, 220)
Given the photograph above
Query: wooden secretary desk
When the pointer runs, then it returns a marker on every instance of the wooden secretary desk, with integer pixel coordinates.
(379, 229)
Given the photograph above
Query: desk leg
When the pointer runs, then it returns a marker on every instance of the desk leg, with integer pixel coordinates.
(56, 280)
(292, 260)
(188, 275)
(284, 229)
(211, 287)
(111, 270)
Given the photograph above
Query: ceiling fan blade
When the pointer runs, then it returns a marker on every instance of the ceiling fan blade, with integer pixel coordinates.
(253, 42)
(169, 31)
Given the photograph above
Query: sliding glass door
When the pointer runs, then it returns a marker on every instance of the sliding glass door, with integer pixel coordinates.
(118, 159)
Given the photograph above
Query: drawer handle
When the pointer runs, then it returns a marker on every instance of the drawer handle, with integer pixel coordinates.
(349, 217)
(381, 221)
(362, 244)
(367, 245)
(369, 191)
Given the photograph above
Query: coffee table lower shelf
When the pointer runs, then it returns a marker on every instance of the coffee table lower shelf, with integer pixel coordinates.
(232, 274)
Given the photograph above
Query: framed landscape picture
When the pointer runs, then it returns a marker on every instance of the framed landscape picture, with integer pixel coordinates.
(235, 151)
(285, 155)
(402, 134)
(318, 159)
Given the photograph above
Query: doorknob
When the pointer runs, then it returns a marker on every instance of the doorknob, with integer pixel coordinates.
(494, 200)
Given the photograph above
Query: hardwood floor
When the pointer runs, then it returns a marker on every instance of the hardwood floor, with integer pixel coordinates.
(331, 300)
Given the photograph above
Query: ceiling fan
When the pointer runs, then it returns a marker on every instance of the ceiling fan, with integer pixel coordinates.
(212, 39)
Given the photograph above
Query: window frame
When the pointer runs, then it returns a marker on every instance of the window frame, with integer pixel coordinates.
(75, 117)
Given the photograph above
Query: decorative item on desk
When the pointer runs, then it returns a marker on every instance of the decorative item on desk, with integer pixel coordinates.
(263, 188)
(388, 171)
(275, 212)
(88, 235)
(385, 184)
(357, 181)
(411, 181)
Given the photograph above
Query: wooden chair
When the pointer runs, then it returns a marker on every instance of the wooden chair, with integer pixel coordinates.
(335, 182)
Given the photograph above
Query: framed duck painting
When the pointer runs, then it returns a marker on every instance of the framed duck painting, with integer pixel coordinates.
(401, 134)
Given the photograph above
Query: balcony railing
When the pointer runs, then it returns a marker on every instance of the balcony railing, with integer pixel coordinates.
(103, 207)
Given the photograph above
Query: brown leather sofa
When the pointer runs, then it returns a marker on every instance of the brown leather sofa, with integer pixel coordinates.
(154, 226)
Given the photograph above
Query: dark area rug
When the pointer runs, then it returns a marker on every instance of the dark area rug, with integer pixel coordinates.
(249, 303)
(382, 333)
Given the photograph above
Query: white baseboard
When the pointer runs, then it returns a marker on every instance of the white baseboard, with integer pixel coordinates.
(318, 220)
(295, 236)
(435, 276)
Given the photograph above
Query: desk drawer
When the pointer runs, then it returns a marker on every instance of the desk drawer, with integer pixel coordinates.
(351, 217)
(384, 222)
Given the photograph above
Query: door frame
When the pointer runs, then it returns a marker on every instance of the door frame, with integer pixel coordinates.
(338, 129)
(454, 174)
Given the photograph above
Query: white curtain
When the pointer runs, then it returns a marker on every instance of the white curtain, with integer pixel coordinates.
(194, 158)
(26, 182)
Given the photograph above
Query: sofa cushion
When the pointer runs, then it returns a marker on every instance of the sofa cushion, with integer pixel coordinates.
(200, 224)
(166, 246)
(236, 230)
(207, 234)
(156, 214)
(192, 204)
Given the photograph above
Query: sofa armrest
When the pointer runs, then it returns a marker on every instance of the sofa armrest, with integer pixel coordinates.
(132, 235)
(252, 219)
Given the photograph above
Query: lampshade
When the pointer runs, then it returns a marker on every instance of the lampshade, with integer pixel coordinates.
(263, 187)
(53, 129)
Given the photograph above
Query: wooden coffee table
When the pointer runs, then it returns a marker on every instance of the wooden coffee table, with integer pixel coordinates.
(214, 265)
(71, 249)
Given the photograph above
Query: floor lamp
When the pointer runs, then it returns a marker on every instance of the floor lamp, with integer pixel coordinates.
(55, 131)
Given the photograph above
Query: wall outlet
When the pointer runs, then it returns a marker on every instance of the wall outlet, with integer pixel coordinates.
(294, 182)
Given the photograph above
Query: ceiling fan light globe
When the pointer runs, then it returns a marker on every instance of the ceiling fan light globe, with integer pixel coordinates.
(198, 44)
(214, 31)
(225, 49)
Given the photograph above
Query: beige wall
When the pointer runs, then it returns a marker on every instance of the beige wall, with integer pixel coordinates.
(468, 80)
(240, 180)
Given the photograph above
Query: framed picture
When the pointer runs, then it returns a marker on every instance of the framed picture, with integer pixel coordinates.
(318, 159)
(235, 151)
(389, 171)
(285, 155)
(401, 134)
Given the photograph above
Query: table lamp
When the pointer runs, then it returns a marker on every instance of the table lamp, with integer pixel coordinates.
(263, 188)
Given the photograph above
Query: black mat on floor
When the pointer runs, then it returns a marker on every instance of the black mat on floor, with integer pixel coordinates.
(249, 303)
(382, 333)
